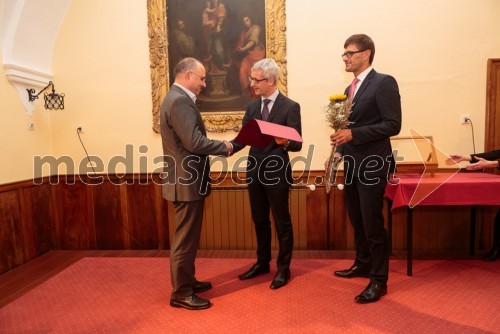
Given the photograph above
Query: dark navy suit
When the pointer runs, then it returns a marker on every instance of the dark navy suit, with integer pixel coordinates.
(376, 116)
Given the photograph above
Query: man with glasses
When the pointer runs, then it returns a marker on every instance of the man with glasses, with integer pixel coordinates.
(269, 175)
(366, 149)
(186, 178)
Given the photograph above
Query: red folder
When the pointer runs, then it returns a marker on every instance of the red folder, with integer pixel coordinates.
(260, 133)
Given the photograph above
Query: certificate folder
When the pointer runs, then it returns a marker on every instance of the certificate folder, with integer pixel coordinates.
(260, 133)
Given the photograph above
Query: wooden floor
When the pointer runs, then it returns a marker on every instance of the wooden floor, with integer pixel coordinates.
(17, 282)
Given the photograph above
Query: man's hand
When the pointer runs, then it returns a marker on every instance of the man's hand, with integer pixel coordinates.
(456, 158)
(337, 158)
(281, 141)
(341, 137)
(229, 147)
(482, 164)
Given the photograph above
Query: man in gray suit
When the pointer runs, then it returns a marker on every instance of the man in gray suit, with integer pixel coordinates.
(186, 178)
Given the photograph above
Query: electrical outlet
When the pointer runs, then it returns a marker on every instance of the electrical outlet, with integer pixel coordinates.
(464, 118)
(80, 128)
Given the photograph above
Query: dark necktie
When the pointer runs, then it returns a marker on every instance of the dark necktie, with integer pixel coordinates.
(265, 110)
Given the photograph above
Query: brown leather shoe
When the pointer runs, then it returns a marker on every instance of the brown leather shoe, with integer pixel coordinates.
(192, 302)
(280, 279)
(354, 271)
(372, 293)
(201, 286)
(256, 270)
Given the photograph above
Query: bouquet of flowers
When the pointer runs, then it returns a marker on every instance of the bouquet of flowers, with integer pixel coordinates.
(337, 116)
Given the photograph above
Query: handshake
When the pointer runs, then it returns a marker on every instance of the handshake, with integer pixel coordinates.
(229, 147)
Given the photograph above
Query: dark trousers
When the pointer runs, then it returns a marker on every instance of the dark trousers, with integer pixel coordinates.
(263, 201)
(496, 229)
(365, 204)
(185, 241)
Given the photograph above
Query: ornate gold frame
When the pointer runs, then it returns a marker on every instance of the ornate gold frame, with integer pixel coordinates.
(160, 81)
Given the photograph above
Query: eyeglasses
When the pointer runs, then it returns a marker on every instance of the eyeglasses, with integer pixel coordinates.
(349, 54)
(256, 80)
(199, 76)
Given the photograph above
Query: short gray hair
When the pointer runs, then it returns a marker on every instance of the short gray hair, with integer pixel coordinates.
(268, 67)
(185, 65)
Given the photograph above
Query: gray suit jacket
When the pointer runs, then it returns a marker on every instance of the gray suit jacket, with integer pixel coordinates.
(185, 148)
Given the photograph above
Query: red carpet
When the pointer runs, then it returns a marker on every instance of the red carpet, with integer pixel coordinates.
(130, 295)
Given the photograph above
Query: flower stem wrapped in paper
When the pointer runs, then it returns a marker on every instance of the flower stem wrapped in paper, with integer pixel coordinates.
(337, 116)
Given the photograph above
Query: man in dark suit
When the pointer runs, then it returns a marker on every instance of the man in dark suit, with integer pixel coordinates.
(186, 178)
(269, 174)
(366, 149)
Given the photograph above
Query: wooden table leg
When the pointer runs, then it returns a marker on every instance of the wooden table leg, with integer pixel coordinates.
(409, 241)
(389, 224)
(472, 244)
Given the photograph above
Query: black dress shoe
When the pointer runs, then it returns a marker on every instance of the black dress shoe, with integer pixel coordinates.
(372, 293)
(192, 302)
(201, 286)
(256, 270)
(280, 279)
(354, 271)
(492, 255)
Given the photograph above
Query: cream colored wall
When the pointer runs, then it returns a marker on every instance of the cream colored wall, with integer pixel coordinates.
(101, 61)
(437, 50)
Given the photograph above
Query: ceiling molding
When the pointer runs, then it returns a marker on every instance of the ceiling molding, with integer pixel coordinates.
(23, 78)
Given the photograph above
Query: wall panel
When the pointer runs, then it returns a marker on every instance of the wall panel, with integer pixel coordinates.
(11, 243)
(145, 227)
(75, 228)
(38, 220)
(111, 230)
(75, 215)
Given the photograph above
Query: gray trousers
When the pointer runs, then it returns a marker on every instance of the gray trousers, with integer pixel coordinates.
(185, 241)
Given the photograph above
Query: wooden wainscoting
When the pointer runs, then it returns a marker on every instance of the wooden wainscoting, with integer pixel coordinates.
(74, 214)
(27, 223)
(228, 221)
(125, 214)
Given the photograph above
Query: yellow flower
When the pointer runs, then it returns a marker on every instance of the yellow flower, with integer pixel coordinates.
(338, 98)
(337, 112)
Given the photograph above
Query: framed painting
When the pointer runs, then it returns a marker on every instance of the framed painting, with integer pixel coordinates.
(228, 37)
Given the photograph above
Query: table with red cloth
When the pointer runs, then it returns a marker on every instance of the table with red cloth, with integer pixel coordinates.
(442, 189)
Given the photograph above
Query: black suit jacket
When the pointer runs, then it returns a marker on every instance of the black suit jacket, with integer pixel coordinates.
(271, 165)
(491, 155)
(376, 116)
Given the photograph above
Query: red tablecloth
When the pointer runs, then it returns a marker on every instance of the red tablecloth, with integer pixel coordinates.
(444, 189)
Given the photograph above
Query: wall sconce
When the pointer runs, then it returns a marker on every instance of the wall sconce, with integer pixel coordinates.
(52, 100)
